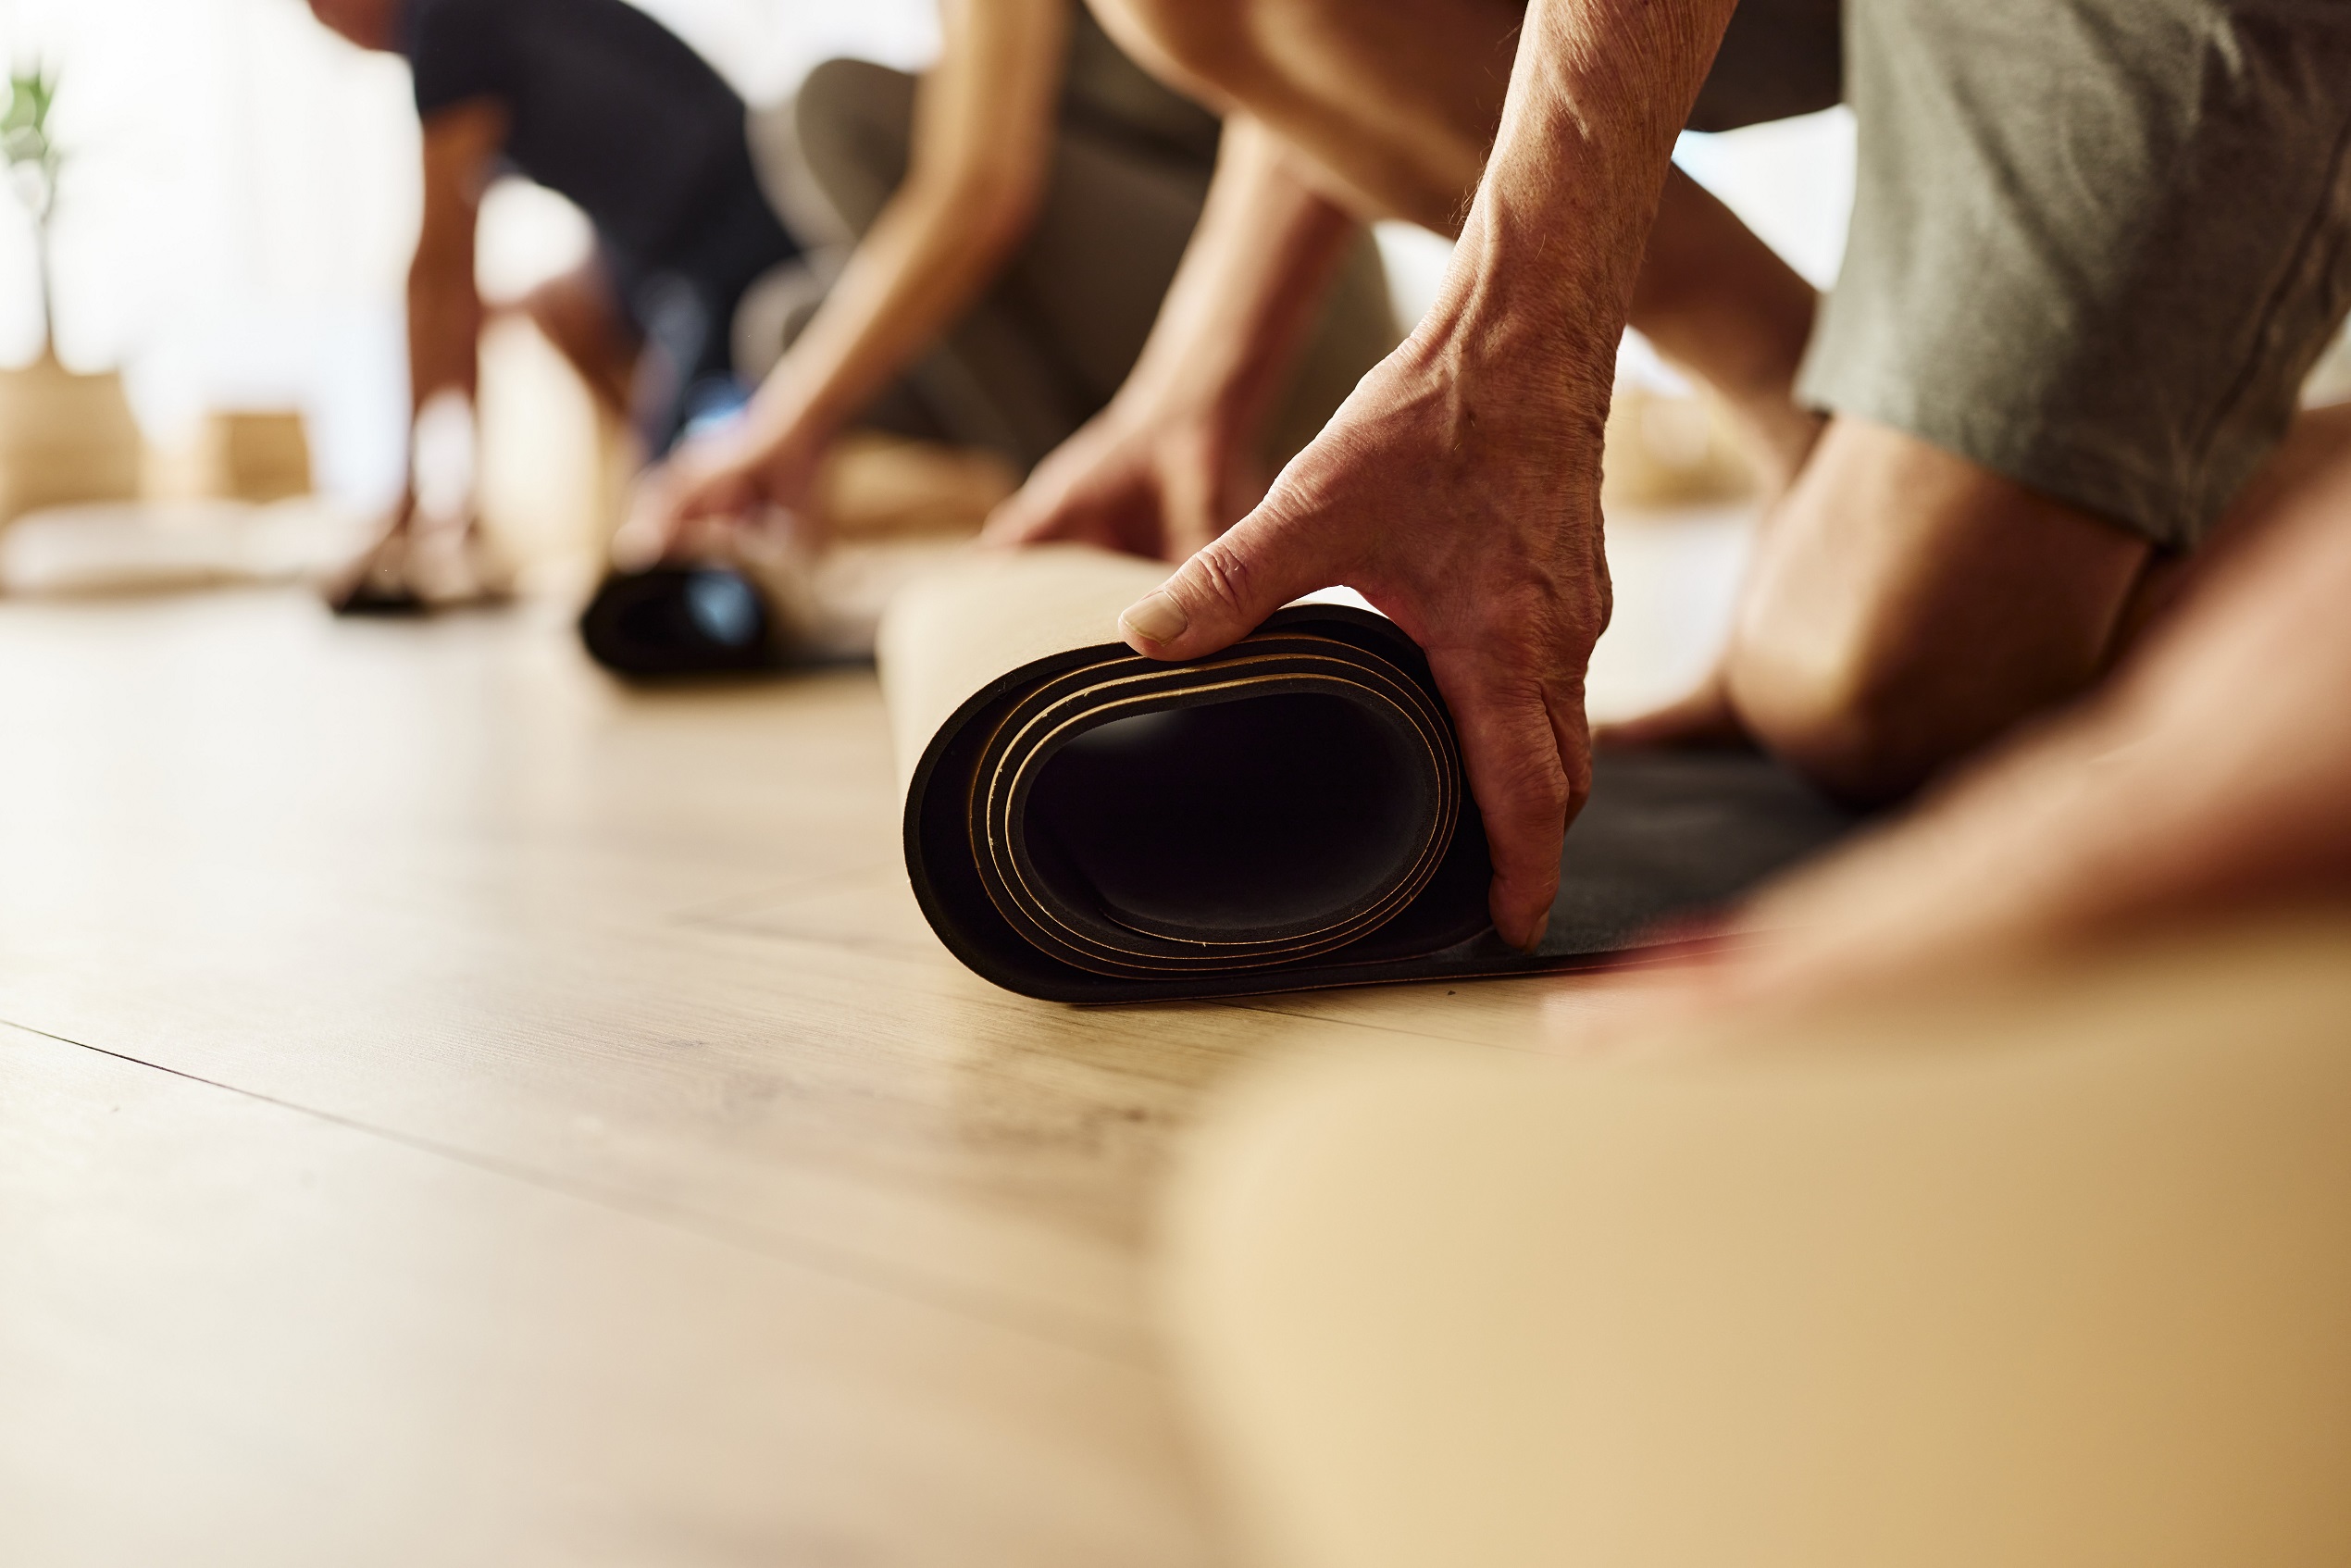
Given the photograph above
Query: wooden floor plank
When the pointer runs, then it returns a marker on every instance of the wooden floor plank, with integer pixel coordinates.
(467, 1111)
(549, 956)
(232, 1333)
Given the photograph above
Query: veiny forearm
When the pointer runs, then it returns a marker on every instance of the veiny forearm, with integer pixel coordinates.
(1244, 297)
(1555, 237)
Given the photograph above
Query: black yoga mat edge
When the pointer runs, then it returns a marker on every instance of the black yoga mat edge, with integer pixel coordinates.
(1730, 817)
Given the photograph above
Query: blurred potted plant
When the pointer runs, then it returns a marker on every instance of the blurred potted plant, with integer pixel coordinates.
(64, 437)
(33, 165)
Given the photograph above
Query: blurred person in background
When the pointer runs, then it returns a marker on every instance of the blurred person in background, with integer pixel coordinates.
(596, 100)
(2096, 247)
(1016, 217)
(974, 259)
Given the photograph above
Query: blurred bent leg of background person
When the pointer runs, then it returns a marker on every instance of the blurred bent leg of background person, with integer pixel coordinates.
(601, 102)
(1394, 108)
(578, 313)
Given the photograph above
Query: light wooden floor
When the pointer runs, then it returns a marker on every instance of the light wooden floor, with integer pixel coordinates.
(456, 1111)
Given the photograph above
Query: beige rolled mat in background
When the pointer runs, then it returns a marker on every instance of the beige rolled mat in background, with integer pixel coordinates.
(2038, 1274)
(1086, 825)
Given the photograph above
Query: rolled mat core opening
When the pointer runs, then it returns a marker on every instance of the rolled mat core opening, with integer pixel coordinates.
(1233, 823)
(1278, 801)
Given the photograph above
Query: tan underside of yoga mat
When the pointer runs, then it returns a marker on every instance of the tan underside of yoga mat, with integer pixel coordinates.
(1086, 824)
(949, 635)
(2043, 1279)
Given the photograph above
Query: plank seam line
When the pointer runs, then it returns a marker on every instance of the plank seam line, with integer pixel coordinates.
(1405, 1029)
(798, 1252)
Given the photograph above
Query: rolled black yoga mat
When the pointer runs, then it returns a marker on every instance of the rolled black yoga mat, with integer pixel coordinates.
(681, 620)
(772, 605)
(1085, 824)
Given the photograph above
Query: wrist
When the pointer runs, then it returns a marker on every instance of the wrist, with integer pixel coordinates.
(1516, 374)
(1498, 314)
(784, 431)
(1507, 397)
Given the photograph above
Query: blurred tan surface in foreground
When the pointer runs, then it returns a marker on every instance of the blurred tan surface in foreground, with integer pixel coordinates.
(2039, 1274)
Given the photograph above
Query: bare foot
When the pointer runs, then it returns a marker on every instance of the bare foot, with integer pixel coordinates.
(453, 566)
(375, 583)
(413, 569)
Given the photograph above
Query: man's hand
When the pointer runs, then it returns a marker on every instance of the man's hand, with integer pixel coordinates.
(1463, 500)
(377, 578)
(1457, 490)
(1140, 483)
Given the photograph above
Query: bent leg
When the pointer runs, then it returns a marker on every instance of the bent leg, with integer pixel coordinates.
(1720, 302)
(2031, 394)
(2209, 777)
(1906, 605)
(580, 312)
(2311, 466)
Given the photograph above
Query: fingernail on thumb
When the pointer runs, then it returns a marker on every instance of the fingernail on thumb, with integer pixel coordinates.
(1156, 617)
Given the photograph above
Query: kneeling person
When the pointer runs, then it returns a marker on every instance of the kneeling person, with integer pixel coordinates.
(596, 100)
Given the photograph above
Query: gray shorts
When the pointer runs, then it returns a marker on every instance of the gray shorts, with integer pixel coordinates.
(2097, 245)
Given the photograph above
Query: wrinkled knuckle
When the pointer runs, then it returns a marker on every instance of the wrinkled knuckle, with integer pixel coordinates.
(1533, 797)
(1576, 783)
(1542, 780)
(1221, 574)
(1547, 799)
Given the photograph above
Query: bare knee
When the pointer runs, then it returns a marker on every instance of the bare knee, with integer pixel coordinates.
(1908, 606)
(1859, 730)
